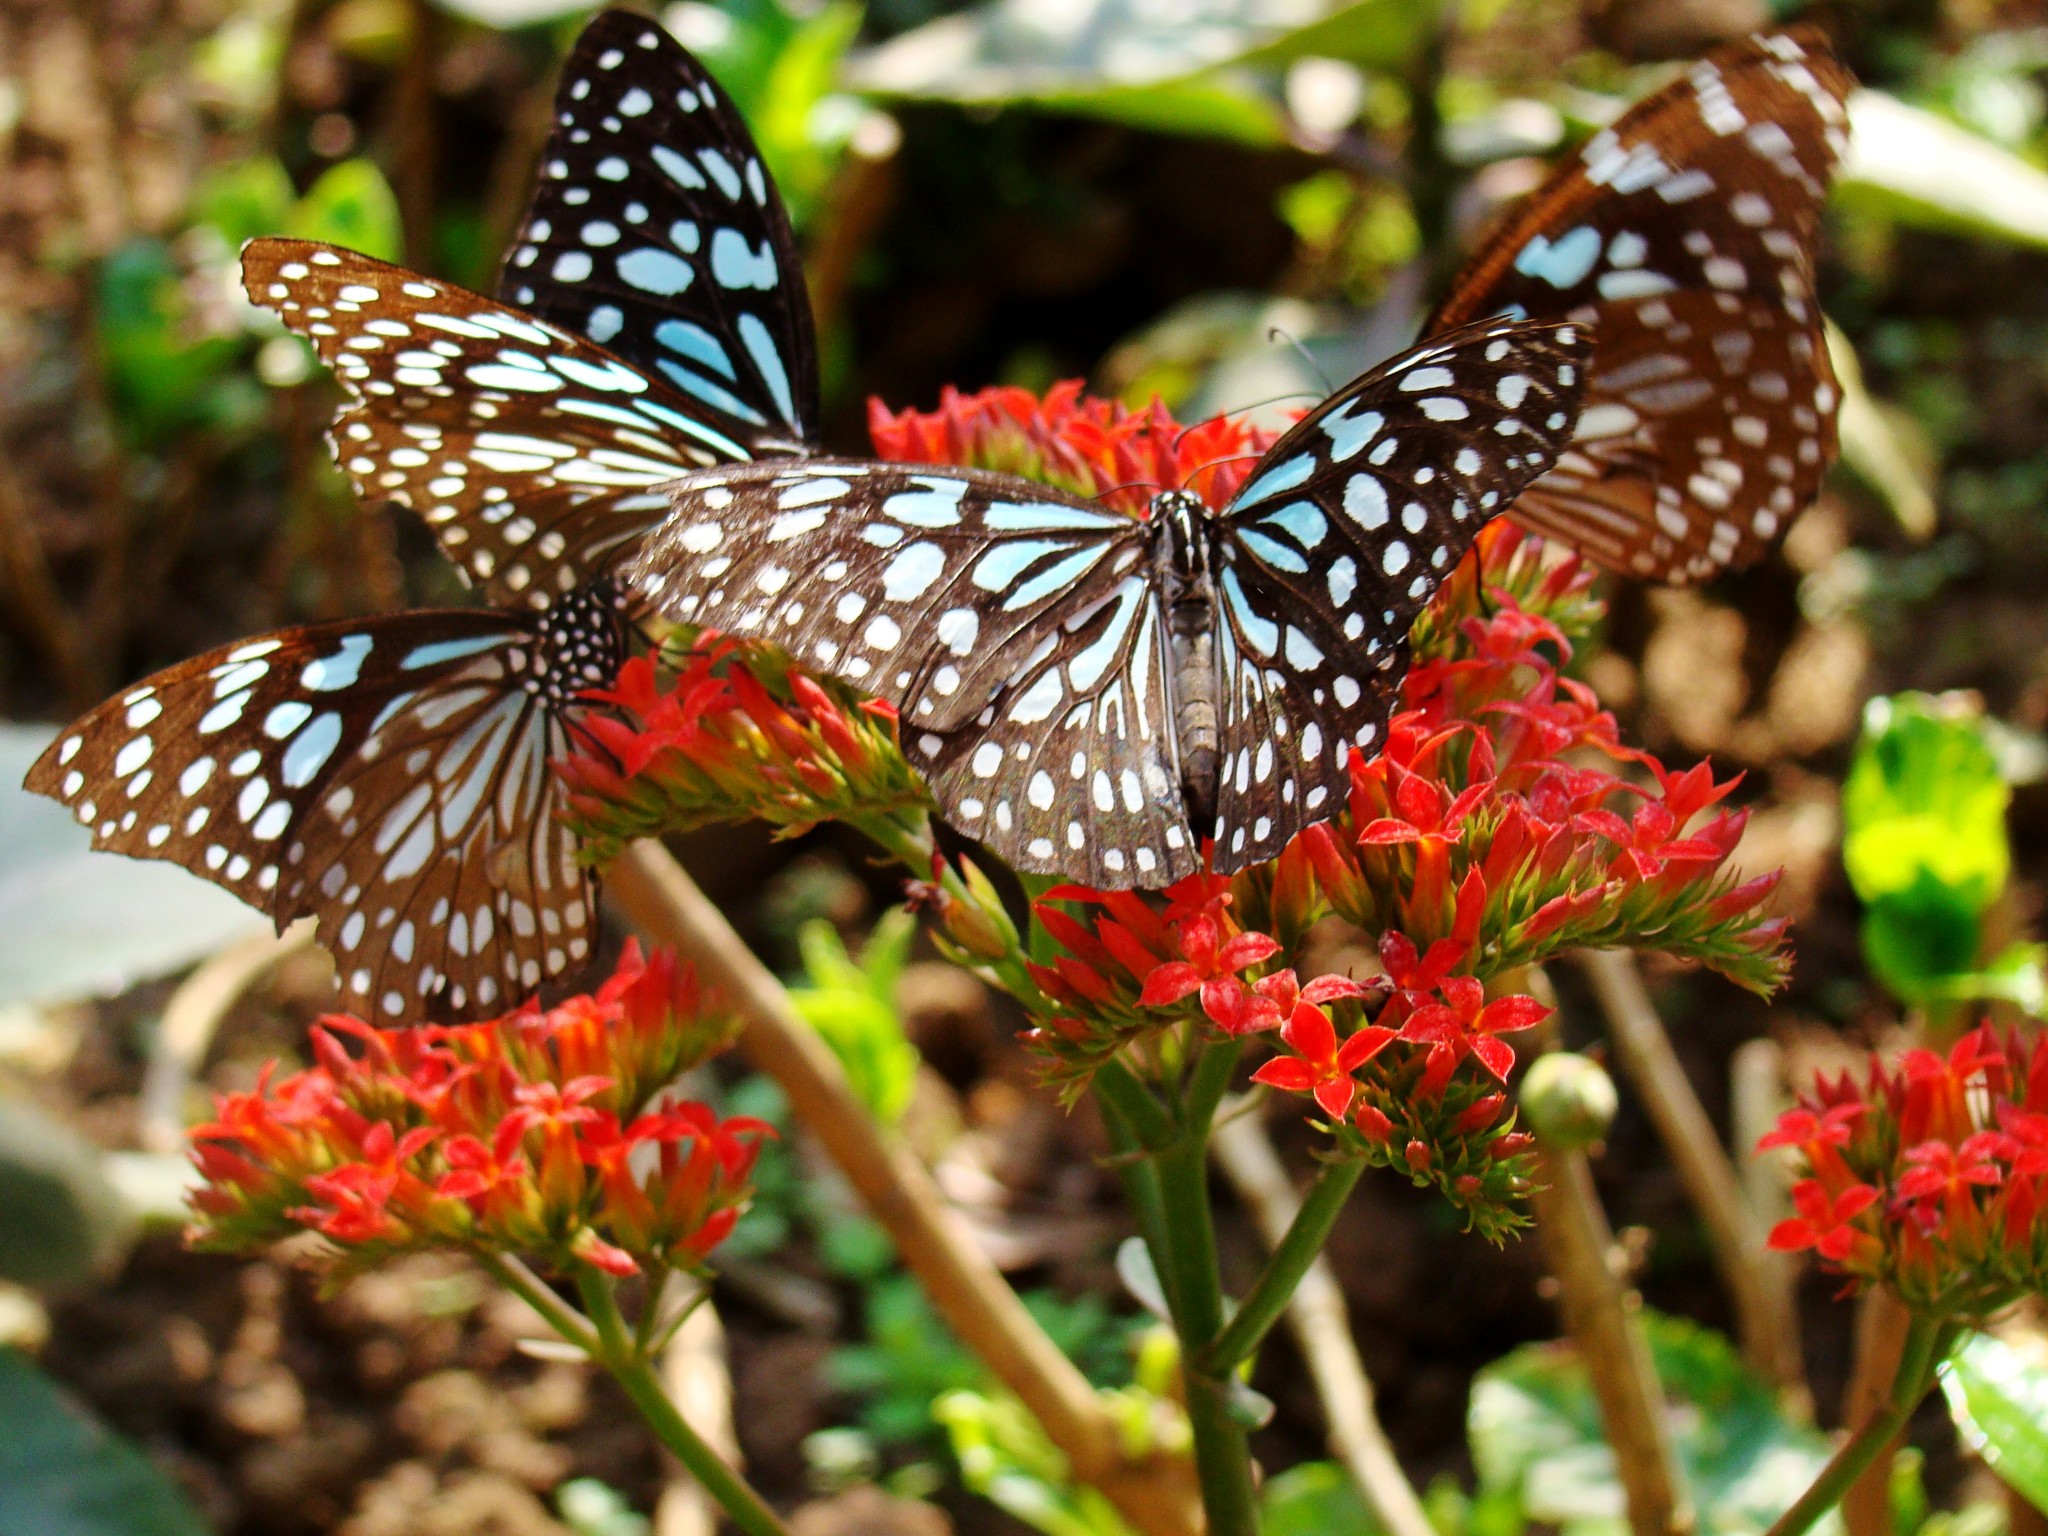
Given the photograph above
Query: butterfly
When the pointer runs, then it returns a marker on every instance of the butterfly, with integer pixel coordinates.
(390, 776)
(1686, 232)
(1091, 694)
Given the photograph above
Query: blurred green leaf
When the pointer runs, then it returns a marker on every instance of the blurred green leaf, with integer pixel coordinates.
(853, 1007)
(1999, 1401)
(1315, 1498)
(75, 923)
(241, 201)
(1535, 1433)
(1908, 164)
(1883, 446)
(514, 13)
(64, 1473)
(166, 369)
(61, 1221)
(1005, 1457)
(590, 1507)
(1189, 71)
(1924, 801)
(351, 205)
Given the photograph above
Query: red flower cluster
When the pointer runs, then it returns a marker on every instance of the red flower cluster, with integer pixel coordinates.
(728, 731)
(540, 1134)
(1499, 813)
(1930, 1177)
(1092, 447)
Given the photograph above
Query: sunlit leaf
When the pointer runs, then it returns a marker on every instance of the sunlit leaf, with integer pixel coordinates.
(352, 205)
(1921, 169)
(1924, 805)
(74, 923)
(853, 1007)
(1536, 1434)
(1189, 71)
(1999, 1401)
(1315, 1498)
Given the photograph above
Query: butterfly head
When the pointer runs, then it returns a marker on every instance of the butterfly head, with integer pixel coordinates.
(1180, 517)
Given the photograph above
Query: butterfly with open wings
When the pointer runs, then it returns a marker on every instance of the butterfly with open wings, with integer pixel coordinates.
(390, 775)
(1096, 695)
(1685, 232)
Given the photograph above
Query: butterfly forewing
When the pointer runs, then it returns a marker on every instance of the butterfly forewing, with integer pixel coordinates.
(1685, 227)
(1341, 536)
(387, 776)
(656, 231)
(529, 451)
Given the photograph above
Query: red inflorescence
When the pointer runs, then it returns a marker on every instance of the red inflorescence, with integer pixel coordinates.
(1930, 1177)
(1503, 822)
(542, 1134)
(1092, 447)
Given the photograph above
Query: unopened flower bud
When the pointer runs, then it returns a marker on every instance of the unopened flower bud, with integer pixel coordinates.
(1568, 1100)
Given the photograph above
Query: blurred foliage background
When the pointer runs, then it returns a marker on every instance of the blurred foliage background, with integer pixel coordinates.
(1231, 204)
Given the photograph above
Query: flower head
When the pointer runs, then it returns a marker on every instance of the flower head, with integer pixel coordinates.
(518, 1135)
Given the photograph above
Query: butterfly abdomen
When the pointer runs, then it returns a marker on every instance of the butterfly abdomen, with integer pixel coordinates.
(1182, 551)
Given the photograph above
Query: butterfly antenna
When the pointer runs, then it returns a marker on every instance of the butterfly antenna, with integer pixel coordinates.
(1277, 333)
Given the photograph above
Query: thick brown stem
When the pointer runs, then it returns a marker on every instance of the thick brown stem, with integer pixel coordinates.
(1759, 1283)
(1155, 1495)
(1601, 1314)
(1882, 1323)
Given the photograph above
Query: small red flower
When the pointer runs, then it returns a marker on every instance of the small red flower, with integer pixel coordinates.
(1465, 1022)
(1320, 1066)
(1824, 1221)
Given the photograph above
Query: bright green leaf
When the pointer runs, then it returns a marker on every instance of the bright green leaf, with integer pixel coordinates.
(1999, 1401)
(853, 1007)
(241, 201)
(64, 1473)
(1924, 805)
(351, 205)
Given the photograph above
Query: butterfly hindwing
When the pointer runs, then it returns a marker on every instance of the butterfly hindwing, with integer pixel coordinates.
(1341, 536)
(656, 231)
(1014, 627)
(1688, 228)
(529, 451)
(387, 776)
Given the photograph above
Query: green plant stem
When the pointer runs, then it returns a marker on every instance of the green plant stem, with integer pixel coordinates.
(1267, 1300)
(1120, 1093)
(1927, 1343)
(1222, 1455)
(537, 1294)
(1140, 1180)
(634, 1371)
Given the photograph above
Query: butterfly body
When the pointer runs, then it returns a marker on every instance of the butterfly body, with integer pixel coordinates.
(1181, 555)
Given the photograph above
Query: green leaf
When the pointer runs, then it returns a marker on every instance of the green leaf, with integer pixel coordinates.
(1196, 73)
(165, 370)
(61, 1220)
(1907, 164)
(853, 1007)
(75, 923)
(64, 1473)
(1536, 1435)
(1999, 1401)
(352, 205)
(1923, 808)
(1316, 1498)
(241, 201)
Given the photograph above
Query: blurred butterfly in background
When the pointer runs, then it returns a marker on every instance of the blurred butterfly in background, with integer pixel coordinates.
(389, 775)
(1685, 232)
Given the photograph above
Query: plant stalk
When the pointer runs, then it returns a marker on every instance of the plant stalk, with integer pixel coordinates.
(1267, 1300)
(1927, 1343)
(1223, 1463)
(634, 1371)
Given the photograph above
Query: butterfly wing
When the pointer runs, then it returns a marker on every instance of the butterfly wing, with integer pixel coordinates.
(657, 231)
(1342, 535)
(1015, 628)
(1687, 228)
(385, 776)
(529, 451)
